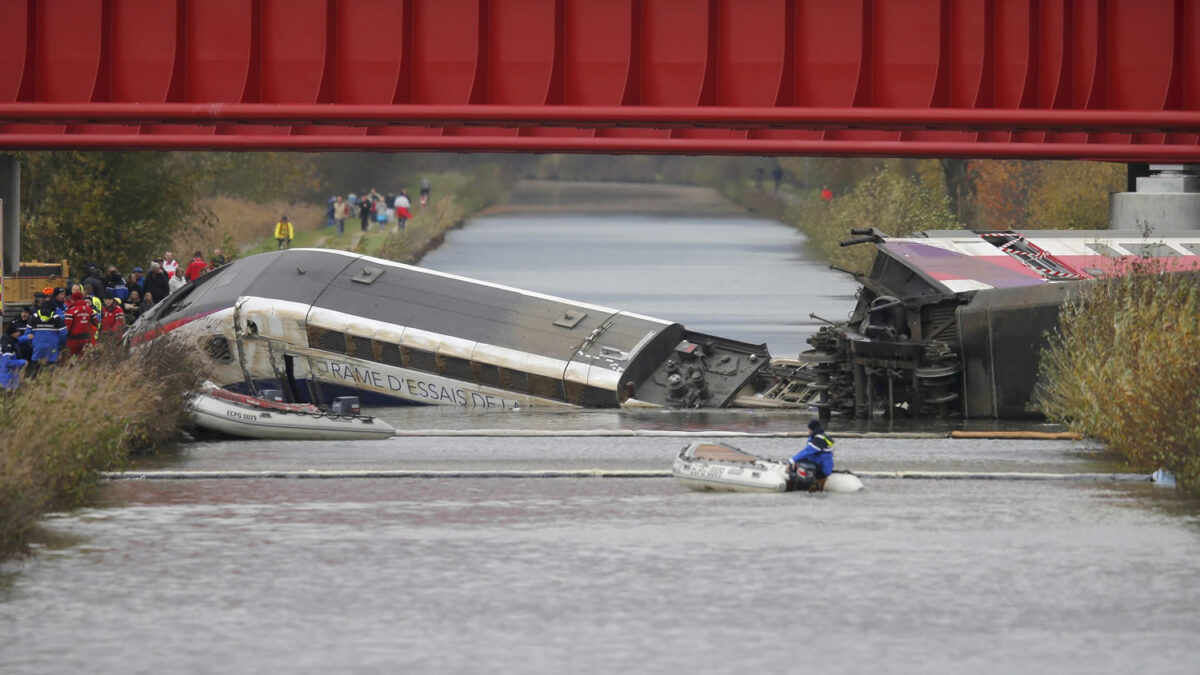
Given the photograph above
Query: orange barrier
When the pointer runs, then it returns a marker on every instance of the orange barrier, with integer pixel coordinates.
(1020, 435)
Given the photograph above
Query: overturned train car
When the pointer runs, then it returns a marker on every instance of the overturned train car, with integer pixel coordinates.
(952, 323)
(317, 323)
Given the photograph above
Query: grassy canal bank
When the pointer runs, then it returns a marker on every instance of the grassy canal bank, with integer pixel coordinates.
(457, 197)
(119, 403)
(73, 420)
(890, 203)
(1124, 369)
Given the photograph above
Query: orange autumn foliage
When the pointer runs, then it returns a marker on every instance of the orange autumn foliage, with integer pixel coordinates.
(1044, 195)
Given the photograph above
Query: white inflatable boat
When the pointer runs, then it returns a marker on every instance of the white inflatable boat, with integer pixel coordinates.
(226, 412)
(717, 467)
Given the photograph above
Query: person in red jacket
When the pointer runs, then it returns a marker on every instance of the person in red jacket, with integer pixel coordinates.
(196, 267)
(113, 317)
(80, 318)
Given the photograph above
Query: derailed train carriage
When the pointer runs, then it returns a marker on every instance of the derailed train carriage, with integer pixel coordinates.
(947, 323)
(953, 322)
(316, 324)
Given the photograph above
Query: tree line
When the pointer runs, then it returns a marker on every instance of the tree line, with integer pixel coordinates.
(124, 207)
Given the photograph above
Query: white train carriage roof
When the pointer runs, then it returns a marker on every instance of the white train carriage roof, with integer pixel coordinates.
(962, 260)
(407, 296)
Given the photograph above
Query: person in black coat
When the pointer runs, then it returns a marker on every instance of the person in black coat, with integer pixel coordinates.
(11, 344)
(365, 206)
(95, 286)
(157, 284)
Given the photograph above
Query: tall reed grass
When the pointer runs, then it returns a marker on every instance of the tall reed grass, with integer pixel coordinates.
(235, 224)
(1124, 368)
(894, 203)
(76, 419)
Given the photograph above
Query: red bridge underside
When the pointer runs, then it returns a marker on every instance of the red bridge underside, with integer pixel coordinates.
(1093, 79)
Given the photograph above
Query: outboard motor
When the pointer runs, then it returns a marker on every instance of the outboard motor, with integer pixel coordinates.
(802, 476)
(346, 405)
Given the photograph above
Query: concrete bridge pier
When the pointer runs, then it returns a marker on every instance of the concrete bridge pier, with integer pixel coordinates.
(1167, 197)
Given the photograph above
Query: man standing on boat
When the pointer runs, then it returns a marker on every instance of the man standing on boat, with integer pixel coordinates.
(818, 451)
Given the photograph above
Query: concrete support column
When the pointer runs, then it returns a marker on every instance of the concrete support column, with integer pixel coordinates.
(1168, 198)
(10, 198)
(1134, 171)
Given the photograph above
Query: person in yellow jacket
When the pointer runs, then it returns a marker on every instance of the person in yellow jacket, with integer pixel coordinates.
(284, 232)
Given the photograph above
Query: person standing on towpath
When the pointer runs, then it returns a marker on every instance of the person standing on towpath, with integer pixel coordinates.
(341, 210)
(284, 233)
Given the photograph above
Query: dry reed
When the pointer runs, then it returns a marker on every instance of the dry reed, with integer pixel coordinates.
(81, 417)
(235, 223)
(1123, 368)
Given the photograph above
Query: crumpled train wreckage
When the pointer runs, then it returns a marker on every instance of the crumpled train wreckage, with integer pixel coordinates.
(947, 323)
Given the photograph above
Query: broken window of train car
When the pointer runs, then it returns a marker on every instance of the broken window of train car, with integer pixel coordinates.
(1105, 250)
(486, 374)
(452, 366)
(329, 340)
(514, 380)
(360, 347)
(217, 349)
(587, 396)
(419, 359)
(1152, 250)
(546, 387)
(390, 354)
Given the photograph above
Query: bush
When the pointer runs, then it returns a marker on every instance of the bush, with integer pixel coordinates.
(76, 419)
(1123, 369)
(894, 204)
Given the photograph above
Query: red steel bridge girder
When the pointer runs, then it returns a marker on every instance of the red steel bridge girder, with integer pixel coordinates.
(1094, 79)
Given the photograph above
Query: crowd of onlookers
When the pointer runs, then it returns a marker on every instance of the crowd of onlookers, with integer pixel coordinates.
(370, 207)
(65, 320)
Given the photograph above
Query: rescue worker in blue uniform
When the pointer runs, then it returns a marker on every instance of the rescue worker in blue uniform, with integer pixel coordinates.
(48, 334)
(11, 362)
(818, 451)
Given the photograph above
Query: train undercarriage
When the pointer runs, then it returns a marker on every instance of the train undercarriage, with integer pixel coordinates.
(952, 323)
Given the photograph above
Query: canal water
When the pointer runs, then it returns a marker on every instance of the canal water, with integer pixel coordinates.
(738, 277)
(475, 574)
